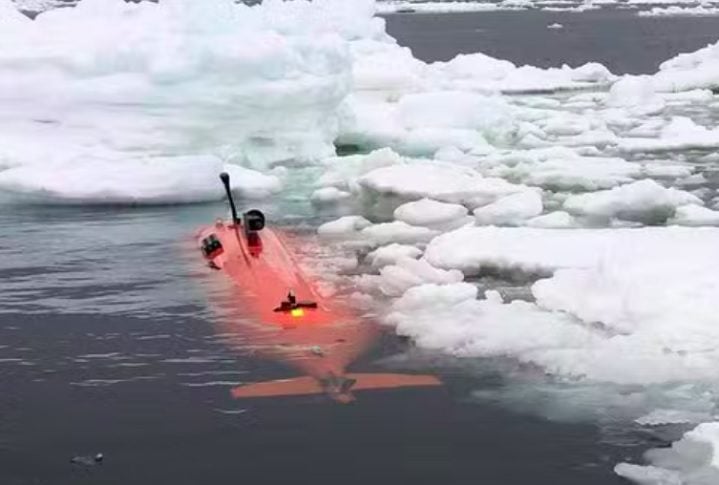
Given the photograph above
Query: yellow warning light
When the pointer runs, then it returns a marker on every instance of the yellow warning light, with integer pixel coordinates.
(297, 312)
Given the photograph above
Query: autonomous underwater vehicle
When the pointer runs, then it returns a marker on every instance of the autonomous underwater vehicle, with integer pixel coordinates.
(269, 307)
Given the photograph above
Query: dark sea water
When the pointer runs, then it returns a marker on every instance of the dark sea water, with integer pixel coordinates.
(109, 345)
(108, 342)
(620, 39)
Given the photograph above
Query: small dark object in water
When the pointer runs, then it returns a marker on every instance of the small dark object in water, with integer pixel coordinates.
(88, 460)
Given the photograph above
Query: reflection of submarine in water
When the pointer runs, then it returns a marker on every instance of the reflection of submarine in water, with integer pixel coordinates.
(269, 306)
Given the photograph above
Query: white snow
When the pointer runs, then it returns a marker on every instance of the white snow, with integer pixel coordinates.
(431, 213)
(693, 460)
(687, 71)
(329, 195)
(436, 180)
(251, 85)
(343, 226)
(660, 417)
(562, 168)
(644, 200)
(405, 6)
(150, 180)
(397, 232)
(553, 220)
(390, 254)
(408, 272)
(681, 133)
(510, 210)
(695, 215)
(678, 11)
(628, 306)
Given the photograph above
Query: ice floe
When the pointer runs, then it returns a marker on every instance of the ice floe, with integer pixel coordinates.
(690, 461)
(608, 310)
(644, 201)
(510, 210)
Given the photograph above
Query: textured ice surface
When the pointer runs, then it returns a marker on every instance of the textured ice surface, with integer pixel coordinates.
(690, 461)
(251, 85)
(644, 200)
(611, 304)
(510, 210)
(392, 253)
(430, 213)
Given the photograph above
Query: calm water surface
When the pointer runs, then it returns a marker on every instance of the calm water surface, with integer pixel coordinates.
(619, 39)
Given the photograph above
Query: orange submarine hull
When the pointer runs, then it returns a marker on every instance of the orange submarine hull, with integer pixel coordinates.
(270, 308)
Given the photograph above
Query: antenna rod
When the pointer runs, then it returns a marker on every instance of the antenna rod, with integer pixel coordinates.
(225, 177)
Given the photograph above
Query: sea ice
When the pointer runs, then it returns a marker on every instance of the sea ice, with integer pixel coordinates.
(390, 254)
(690, 461)
(644, 201)
(430, 213)
(510, 210)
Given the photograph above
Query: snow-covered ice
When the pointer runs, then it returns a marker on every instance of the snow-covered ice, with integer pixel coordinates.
(692, 460)
(608, 291)
(645, 201)
(510, 210)
(431, 213)
(390, 254)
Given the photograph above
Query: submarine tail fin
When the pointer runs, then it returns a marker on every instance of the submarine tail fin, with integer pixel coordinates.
(304, 386)
(366, 382)
(298, 386)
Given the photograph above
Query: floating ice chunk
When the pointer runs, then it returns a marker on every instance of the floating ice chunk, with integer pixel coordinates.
(695, 70)
(409, 272)
(397, 232)
(381, 67)
(329, 195)
(555, 26)
(421, 123)
(477, 68)
(436, 180)
(666, 169)
(342, 172)
(251, 183)
(561, 168)
(405, 6)
(650, 289)
(672, 416)
(680, 134)
(637, 93)
(9, 14)
(424, 141)
(489, 115)
(141, 87)
(478, 72)
(644, 201)
(695, 215)
(346, 225)
(158, 180)
(690, 461)
(392, 253)
(511, 210)
(430, 213)
(553, 220)
(696, 180)
(648, 475)
(677, 11)
(451, 319)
